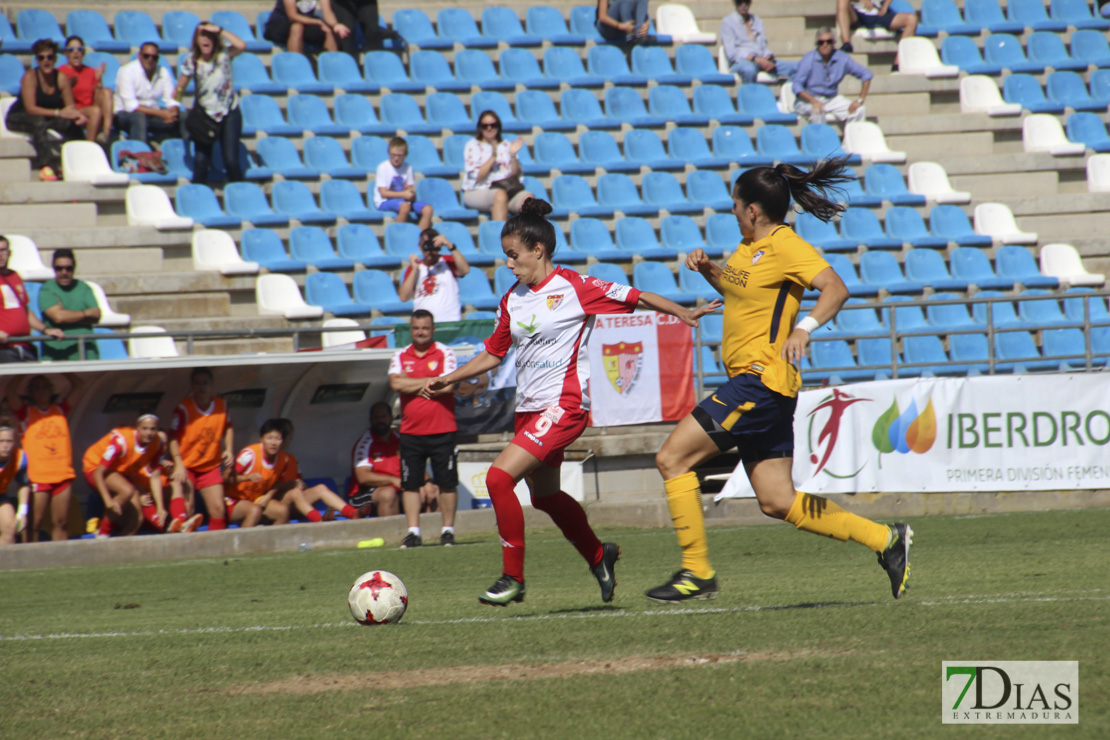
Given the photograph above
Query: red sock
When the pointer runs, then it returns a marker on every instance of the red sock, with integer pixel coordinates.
(215, 523)
(177, 508)
(106, 525)
(349, 511)
(510, 521)
(150, 513)
(313, 516)
(569, 516)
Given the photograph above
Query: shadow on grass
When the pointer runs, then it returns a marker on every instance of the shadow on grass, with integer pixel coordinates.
(590, 609)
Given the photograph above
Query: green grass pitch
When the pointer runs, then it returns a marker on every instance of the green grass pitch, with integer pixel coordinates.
(804, 640)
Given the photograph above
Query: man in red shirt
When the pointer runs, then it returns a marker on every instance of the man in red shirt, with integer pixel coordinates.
(376, 468)
(16, 317)
(427, 426)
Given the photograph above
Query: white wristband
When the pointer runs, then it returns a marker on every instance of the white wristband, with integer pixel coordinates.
(808, 324)
(23, 510)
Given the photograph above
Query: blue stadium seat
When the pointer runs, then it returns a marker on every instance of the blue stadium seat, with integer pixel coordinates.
(970, 350)
(354, 112)
(656, 277)
(447, 111)
(178, 27)
(264, 247)
(402, 239)
(943, 15)
(964, 53)
(1044, 312)
(91, 27)
(1002, 313)
(681, 235)
(536, 188)
(617, 192)
(847, 272)
(247, 201)
(580, 107)
(343, 198)
(444, 198)
(716, 102)
(474, 290)
(851, 192)
(385, 70)
(502, 24)
(548, 23)
(1017, 351)
(293, 199)
(563, 252)
(1048, 49)
(930, 352)
(733, 142)
(625, 105)
(537, 108)
(778, 142)
(862, 226)
(905, 224)
(402, 112)
(971, 264)
(457, 25)
(281, 156)
(582, 23)
(711, 325)
(13, 45)
(645, 148)
(1100, 84)
(1071, 344)
(882, 270)
(489, 239)
(178, 157)
(359, 243)
(1095, 309)
(820, 141)
(823, 234)
(415, 27)
(609, 272)
(1091, 47)
(111, 66)
(311, 244)
(520, 67)
(653, 63)
(905, 318)
(33, 24)
(110, 348)
(459, 235)
(635, 236)
(1077, 14)
(136, 28)
(376, 289)
(952, 223)
(127, 145)
(609, 63)
(340, 70)
(499, 104)
(689, 145)
(599, 150)
(368, 152)
(835, 355)
(325, 154)
(951, 317)
(1068, 88)
(430, 68)
(591, 236)
(721, 233)
(295, 72)
(562, 63)
(886, 180)
(694, 283)
(988, 14)
(709, 190)
(663, 191)
(476, 68)
(1018, 264)
(503, 280)
(249, 73)
(555, 150)
(424, 158)
(670, 102)
(758, 101)
(238, 24)
(877, 351)
(859, 321)
(1032, 14)
(1005, 49)
(694, 60)
(929, 267)
(199, 203)
(261, 113)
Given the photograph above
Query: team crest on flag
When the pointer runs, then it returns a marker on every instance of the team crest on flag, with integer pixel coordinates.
(553, 301)
(623, 362)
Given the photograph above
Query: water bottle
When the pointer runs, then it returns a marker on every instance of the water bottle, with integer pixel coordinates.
(305, 547)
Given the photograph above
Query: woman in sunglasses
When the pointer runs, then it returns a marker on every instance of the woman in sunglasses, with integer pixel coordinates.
(46, 104)
(491, 175)
(89, 94)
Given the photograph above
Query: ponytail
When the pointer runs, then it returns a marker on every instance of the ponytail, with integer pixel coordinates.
(772, 188)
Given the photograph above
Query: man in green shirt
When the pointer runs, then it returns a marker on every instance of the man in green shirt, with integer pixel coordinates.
(68, 304)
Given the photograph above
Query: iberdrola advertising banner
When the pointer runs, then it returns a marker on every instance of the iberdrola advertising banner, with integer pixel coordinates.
(1000, 433)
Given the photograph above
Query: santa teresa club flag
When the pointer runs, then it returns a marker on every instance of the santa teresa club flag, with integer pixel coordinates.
(641, 369)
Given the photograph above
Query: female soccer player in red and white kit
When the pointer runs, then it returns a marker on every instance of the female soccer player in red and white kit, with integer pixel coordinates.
(548, 315)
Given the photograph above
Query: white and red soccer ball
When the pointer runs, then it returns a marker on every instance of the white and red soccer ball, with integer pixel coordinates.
(378, 597)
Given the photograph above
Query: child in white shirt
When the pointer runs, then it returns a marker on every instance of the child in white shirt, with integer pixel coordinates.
(395, 187)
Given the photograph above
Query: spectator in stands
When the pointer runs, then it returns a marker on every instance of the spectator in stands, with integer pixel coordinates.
(365, 12)
(89, 94)
(623, 21)
(144, 102)
(852, 14)
(745, 44)
(427, 426)
(45, 107)
(395, 186)
(210, 62)
(68, 304)
(16, 317)
(201, 444)
(432, 283)
(49, 448)
(294, 23)
(13, 469)
(376, 467)
(817, 83)
(491, 178)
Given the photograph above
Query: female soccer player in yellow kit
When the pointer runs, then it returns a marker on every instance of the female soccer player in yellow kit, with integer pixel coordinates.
(762, 284)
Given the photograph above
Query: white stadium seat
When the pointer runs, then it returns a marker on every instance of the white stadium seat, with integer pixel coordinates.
(866, 139)
(108, 317)
(85, 161)
(26, 260)
(1062, 261)
(278, 295)
(1041, 132)
(337, 338)
(154, 345)
(1098, 173)
(930, 179)
(918, 56)
(996, 220)
(148, 205)
(980, 94)
(724, 68)
(214, 251)
(678, 22)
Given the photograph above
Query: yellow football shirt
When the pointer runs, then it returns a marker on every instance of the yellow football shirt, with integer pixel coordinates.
(763, 283)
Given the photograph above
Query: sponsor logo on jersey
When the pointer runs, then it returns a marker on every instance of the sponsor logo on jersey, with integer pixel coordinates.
(530, 327)
(623, 362)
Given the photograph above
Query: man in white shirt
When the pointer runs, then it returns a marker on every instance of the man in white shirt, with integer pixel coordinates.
(432, 283)
(145, 105)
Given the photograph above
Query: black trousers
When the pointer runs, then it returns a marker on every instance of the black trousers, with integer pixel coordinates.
(365, 12)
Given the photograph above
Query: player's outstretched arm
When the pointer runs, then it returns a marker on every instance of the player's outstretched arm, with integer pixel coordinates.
(656, 302)
(699, 261)
(833, 295)
(483, 362)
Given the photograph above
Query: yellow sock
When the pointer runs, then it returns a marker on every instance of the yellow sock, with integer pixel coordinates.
(821, 516)
(684, 501)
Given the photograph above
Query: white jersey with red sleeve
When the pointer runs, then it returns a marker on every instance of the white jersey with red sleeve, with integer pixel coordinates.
(550, 324)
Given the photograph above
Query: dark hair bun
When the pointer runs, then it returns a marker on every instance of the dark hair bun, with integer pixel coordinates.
(536, 206)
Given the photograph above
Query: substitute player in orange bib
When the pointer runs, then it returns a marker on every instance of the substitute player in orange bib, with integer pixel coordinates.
(202, 442)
